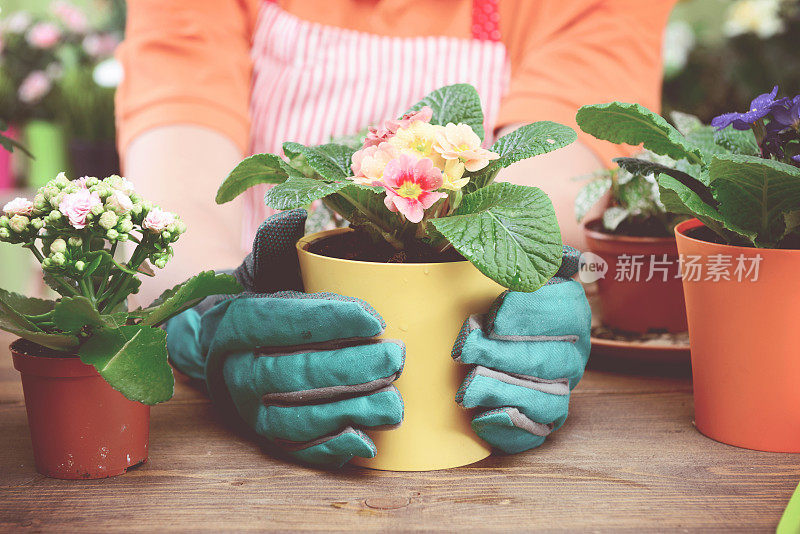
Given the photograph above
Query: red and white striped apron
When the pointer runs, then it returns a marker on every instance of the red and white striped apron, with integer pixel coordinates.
(312, 82)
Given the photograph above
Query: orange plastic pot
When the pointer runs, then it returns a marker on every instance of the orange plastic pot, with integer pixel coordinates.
(745, 342)
(80, 426)
(641, 290)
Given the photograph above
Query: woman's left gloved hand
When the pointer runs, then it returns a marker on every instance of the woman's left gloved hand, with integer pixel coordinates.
(527, 354)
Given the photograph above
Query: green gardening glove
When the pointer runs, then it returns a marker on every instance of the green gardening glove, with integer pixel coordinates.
(527, 354)
(303, 371)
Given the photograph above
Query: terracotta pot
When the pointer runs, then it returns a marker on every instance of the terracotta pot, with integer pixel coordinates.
(744, 338)
(638, 303)
(423, 304)
(80, 426)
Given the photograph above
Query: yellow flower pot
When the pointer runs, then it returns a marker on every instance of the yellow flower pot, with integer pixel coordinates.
(423, 304)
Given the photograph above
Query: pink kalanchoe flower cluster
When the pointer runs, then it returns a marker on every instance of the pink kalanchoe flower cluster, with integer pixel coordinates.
(72, 17)
(76, 206)
(43, 35)
(18, 206)
(411, 186)
(34, 87)
(158, 220)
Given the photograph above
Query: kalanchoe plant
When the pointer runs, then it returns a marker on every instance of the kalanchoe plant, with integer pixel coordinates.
(74, 229)
(424, 183)
(635, 207)
(742, 182)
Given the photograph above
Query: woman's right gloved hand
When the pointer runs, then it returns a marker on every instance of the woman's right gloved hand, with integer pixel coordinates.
(302, 370)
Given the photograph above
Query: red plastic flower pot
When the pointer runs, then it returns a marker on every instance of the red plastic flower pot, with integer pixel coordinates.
(80, 426)
(641, 290)
(743, 332)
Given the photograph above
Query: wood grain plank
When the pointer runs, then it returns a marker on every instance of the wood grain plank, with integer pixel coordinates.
(628, 459)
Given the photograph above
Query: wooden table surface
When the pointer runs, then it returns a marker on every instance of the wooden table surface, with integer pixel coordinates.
(628, 458)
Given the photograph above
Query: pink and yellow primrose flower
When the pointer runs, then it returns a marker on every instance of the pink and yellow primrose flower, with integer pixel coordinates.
(458, 141)
(418, 140)
(369, 163)
(389, 127)
(411, 186)
(452, 175)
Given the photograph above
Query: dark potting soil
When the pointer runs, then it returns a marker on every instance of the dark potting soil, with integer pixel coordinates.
(360, 246)
(29, 348)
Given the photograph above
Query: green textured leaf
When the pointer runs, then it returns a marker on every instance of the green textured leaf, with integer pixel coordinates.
(638, 196)
(26, 305)
(13, 308)
(755, 194)
(509, 232)
(645, 167)
(299, 192)
(189, 293)
(363, 207)
(680, 199)
(62, 342)
(590, 195)
(71, 314)
(331, 161)
(133, 360)
(634, 124)
(613, 217)
(685, 123)
(454, 103)
(525, 142)
(737, 141)
(257, 169)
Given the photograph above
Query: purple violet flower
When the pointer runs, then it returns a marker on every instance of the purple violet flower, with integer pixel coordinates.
(760, 107)
(787, 115)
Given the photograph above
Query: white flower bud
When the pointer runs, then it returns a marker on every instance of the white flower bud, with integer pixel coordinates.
(125, 226)
(59, 245)
(18, 223)
(108, 220)
(4, 221)
(119, 202)
(112, 235)
(58, 258)
(80, 266)
(75, 241)
(98, 209)
(55, 215)
(60, 180)
(37, 223)
(4, 233)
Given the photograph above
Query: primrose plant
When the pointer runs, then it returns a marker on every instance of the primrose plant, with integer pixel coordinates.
(425, 182)
(740, 176)
(74, 229)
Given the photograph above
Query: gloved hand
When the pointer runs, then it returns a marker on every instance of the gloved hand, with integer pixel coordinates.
(528, 353)
(304, 371)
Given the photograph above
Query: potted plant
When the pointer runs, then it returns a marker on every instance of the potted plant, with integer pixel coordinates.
(419, 195)
(740, 256)
(634, 238)
(31, 63)
(91, 368)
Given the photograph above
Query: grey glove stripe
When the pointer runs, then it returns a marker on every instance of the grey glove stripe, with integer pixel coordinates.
(552, 387)
(293, 446)
(476, 323)
(327, 394)
(519, 420)
(324, 346)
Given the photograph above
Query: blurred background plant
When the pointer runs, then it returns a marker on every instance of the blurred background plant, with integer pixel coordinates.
(57, 82)
(719, 53)
(634, 206)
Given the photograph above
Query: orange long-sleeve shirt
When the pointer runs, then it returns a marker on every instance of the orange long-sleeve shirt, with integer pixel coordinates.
(188, 61)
